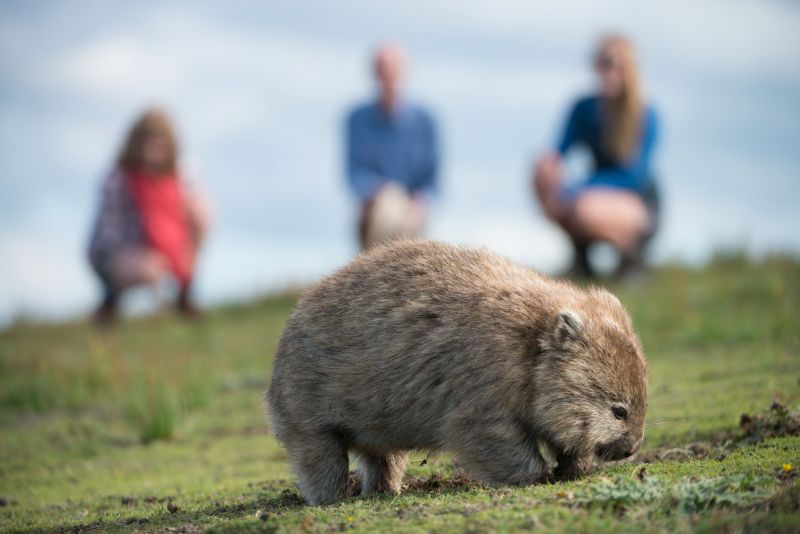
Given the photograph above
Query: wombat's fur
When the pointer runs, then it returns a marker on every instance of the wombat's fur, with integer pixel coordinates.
(421, 345)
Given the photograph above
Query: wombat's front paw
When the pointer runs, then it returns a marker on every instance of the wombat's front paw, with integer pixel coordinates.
(353, 485)
(570, 467)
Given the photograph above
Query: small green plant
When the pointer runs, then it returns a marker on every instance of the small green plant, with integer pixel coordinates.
(621, 493)
(689, 496)
(36, 394)
(153, 408)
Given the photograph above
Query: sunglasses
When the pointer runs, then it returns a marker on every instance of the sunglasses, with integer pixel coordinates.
(605, 62)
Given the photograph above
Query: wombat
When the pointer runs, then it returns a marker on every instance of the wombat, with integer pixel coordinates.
(422, 345)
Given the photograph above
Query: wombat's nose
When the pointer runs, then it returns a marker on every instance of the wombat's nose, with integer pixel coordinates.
(633, 448)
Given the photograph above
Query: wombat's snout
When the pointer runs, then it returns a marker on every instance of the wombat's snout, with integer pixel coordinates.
(619, 449)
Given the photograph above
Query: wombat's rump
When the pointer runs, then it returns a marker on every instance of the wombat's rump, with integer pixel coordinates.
(421, 345)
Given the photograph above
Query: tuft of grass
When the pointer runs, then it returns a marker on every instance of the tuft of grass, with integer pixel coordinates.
(37, 394)
(153, 408)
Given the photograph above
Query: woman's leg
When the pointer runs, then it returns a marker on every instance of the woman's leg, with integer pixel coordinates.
(547, 183)
(615, 216)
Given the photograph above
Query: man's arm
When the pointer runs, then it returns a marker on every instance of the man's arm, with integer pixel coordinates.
(364, 181)
(428, 178)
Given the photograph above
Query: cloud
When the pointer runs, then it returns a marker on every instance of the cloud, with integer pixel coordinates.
(259, 92)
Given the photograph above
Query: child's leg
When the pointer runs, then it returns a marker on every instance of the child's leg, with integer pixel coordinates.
(133, 267)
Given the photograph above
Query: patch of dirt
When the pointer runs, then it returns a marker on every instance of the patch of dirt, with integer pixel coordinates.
(269, 486)
(433, 483)
(777, 422)
(157, 500)
(286, 499)
(438, 483)
(240, 508)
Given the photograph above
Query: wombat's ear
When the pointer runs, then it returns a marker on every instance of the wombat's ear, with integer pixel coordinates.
(569, 326)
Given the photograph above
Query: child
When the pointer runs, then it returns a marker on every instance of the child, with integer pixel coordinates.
(149, 226)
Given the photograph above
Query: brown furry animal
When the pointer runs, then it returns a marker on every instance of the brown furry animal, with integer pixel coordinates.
(421, 345)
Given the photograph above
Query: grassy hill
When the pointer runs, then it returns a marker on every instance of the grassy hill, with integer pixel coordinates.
(159, 424)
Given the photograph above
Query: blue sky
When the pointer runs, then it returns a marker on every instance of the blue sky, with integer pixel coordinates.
(259, 90)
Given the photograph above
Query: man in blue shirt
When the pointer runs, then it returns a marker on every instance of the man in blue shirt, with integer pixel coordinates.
(391, 147)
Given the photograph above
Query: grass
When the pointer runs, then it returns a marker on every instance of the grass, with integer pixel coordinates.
(159, 424)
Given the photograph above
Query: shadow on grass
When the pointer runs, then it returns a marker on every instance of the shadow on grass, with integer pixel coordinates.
(438, 484)
(286, 500)
(188, 522)
(267, 503)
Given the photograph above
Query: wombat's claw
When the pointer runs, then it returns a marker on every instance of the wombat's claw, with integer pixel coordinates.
(353, 485)
(565, 475)
(569, 469)
(549, 478)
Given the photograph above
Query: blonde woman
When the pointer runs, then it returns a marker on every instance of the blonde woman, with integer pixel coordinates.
(618, 202)
(149, 225)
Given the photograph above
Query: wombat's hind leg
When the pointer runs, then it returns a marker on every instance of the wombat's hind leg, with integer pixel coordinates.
(321, 464)
(381, 473)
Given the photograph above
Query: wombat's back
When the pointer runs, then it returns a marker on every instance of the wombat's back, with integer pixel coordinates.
(396, 340)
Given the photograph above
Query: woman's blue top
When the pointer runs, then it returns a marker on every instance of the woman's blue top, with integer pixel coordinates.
(584, 127)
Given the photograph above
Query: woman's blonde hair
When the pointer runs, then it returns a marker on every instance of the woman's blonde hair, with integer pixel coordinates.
(622, 116)
(152, 122)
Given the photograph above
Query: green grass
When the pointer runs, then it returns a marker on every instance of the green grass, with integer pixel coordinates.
(160, 424)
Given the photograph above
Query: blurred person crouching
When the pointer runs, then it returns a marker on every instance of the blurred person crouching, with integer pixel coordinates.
(618, 203)
(150, 224)
(392, 156)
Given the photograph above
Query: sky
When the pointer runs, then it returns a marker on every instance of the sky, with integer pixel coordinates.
(259, 91)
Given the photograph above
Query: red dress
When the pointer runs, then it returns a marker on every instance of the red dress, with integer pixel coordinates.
(161, 204)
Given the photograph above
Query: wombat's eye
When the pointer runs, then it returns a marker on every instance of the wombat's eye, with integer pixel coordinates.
(620, 412)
